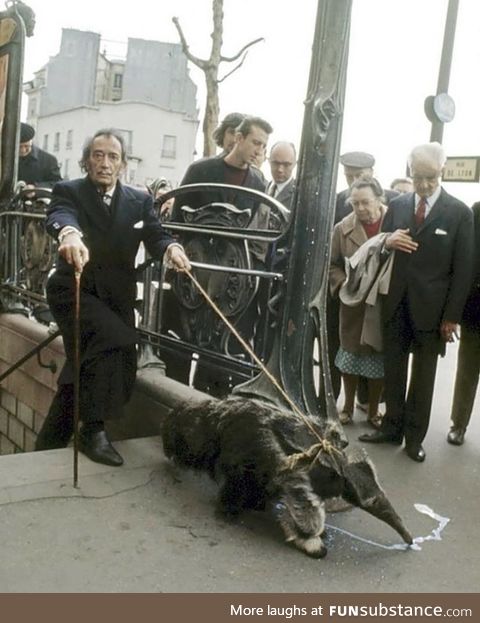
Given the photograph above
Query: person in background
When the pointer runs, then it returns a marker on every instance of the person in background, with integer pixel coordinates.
(224, 134)
(355, 164)
(36, 167)
(354, 359)
(468, 358)
(432, 236)
(402, 185)
(157, 188)
(283, 159)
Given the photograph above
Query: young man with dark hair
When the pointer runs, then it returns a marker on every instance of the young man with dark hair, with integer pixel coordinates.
(235, 168)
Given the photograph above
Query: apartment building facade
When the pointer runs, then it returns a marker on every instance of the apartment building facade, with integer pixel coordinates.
(148, 96)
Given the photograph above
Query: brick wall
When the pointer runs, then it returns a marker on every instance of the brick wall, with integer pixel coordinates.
(19, 424)
(26, 394)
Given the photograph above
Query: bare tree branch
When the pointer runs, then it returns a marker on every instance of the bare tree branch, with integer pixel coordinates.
(234, 69)
(230, 59)
(217, 34)
(199, 62)
(210, 68)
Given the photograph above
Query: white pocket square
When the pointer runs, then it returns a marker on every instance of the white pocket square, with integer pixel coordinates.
(440, 232)
(138, 225)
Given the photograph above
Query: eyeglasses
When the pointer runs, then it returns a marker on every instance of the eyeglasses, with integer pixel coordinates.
(278, 164)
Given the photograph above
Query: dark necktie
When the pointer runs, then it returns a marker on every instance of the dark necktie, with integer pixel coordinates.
(273, 190)
(107, 202)
(420, 211)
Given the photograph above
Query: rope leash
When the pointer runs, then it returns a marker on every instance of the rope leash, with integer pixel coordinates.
(293, 460)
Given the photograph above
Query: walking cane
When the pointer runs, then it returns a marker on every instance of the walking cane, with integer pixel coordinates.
(76, 375)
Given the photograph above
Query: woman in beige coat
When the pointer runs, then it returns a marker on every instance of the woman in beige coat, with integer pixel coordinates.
(354, 359)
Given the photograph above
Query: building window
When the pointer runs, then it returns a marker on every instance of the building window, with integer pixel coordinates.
(56, 142)
(45, 142)
(33, 107)
(65, 168)
(128, 138)
(69, 139)
(117, 81)
(169, 149)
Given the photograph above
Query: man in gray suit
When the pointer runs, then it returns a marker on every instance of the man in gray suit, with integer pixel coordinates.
(283, 159)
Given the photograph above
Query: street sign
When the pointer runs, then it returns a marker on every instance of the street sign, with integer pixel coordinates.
(462, 169)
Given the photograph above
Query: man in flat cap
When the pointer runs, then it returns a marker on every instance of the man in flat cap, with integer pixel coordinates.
(36, 167)
(355, 164)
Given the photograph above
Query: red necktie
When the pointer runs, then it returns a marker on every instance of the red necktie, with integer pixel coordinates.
(420, 212)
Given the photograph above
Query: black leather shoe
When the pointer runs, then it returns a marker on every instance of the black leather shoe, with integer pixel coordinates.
(98, 448)
(416, 453)
(380, 437)
(456, 436)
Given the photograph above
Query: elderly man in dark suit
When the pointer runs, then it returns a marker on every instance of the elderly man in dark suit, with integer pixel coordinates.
(99, 224)
(432, 235)
(36, 167)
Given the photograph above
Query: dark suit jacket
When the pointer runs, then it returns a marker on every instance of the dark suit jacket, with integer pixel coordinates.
(39, 168)
(108, 280)
(437, 276)
(213, 170)
(471, 313)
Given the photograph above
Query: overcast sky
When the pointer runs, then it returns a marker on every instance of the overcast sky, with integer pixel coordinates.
(394, 57)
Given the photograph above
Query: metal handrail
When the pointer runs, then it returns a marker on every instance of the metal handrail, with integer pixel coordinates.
(14, 284)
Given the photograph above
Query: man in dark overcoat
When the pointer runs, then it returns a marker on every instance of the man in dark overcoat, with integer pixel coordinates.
(36, 167)
(468, 358)
(432, 235)
(99, 224)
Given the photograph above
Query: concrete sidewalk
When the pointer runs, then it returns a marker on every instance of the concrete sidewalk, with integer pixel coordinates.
(150, 526)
